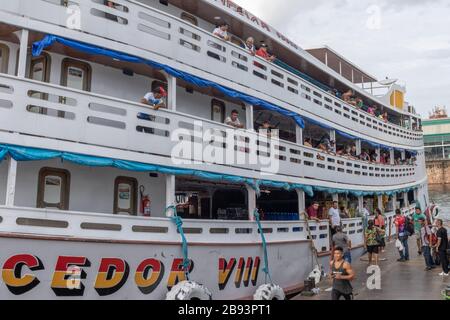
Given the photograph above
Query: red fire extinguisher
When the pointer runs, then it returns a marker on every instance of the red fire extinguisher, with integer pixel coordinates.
(145, 208)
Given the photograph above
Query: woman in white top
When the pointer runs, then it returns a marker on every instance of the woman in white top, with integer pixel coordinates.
(222, 31)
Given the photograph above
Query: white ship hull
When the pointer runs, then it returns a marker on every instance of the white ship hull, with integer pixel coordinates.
(43, 265)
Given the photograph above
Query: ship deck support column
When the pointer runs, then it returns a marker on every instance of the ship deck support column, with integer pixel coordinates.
(378, 151)
(392, 156)
(171, 92)
(170, 194)
(11, 182)
(360, 203)
(23, 52)
(358, 147)
(251, 202)
(299, 135)
(249, 116)
(380, 203)
(301, 202)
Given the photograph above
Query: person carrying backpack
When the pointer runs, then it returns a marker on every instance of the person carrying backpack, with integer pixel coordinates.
(409, 227)
(402, 235)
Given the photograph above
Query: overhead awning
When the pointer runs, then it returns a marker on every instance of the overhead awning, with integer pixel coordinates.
(341, 65)
(20, 153)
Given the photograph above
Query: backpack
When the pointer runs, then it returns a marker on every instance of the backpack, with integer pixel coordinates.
(433, 236)
(434, 239)
(409, 226)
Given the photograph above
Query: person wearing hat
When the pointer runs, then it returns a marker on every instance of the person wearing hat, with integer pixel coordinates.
(155, 98)
(263, 53)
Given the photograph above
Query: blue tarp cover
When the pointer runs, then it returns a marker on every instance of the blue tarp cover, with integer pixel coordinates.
(20, 153)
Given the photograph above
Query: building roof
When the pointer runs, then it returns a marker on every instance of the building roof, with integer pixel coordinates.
(435, 122)
(341, 65)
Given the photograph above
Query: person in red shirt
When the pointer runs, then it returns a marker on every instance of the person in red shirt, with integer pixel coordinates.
(263, 53)
(313, 212)
(402, 235)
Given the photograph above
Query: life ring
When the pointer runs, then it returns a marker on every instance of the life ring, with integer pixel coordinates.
(316, 274)
(269, 292)
(189, 290)
(435, 212)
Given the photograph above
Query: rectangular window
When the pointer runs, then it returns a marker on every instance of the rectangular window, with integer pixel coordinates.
(125, 196)
(189, 18)
(76, 74)
(53, 189)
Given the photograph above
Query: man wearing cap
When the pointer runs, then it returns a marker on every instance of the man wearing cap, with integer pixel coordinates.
(263, 53)
(155, 98)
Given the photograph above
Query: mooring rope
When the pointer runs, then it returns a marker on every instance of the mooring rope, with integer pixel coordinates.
(178, 221)
(266, 269)
(313, 245)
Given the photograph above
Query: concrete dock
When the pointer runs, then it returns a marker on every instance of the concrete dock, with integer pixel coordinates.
(399, 280)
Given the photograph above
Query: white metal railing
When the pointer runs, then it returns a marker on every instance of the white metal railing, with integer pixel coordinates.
(53, 223)
(169, 36)
(79, 116)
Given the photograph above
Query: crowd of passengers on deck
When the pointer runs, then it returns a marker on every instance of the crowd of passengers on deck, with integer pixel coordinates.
(350, 151)
(156, 99)
(222, 32)
(264, 52)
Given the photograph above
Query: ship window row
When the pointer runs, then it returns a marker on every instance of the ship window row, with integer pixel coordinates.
(62, 189)
(54, 191)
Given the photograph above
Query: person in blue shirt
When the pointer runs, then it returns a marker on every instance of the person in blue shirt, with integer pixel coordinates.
(155, 98)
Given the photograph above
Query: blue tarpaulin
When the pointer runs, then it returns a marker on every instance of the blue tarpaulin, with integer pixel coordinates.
(33, 154)
(20, 153)
(94, 50)
(358, 193)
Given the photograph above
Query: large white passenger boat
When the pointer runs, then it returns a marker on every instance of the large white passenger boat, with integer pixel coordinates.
(103, 196)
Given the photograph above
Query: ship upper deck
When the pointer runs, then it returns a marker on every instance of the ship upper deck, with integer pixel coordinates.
(170, 37)
(110, 115)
